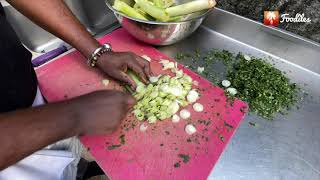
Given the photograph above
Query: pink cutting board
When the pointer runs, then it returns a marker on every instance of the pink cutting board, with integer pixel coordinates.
(155, 153)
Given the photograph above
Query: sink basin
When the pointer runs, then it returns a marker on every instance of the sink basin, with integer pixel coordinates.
(93, 14)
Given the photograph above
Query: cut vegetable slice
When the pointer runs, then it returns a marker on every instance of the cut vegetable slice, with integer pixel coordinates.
(246, 57)
(226, 83)
(185, 114)
(200, 69)
(164, 61)
(192, 96)
(154, 79)
(198, 107)
(143, 127)
(175, 118)
(232, 91)
(190, 129)
(169, 65)
(147, 58)
(105, 82)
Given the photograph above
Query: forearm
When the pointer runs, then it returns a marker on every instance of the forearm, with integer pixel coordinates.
(26, 131)
(55, 17)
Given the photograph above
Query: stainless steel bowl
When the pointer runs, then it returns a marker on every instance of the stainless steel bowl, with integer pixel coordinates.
(160, 33)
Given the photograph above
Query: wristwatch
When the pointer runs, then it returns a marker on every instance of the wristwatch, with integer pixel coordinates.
(93, 59)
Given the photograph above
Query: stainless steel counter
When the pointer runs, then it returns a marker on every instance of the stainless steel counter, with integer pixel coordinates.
(287, 147)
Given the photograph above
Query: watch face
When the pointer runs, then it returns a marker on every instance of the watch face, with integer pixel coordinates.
(107, 46)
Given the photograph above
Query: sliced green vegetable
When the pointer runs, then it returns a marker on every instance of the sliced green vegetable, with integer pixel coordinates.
(152, 10)
(190, 7)
(161, 99)
(126, 9)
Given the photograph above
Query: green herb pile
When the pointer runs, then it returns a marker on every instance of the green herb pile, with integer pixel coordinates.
(266, 89)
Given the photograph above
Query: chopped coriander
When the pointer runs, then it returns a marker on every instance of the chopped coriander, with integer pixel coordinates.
(266, 89)
(253, 124)
(112, 147)
(263, 86)
(122, 139)
(185, 158)
(177, 165)
(221, 137)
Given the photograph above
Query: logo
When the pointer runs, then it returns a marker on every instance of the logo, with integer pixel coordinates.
(299, 18)
(271, 18)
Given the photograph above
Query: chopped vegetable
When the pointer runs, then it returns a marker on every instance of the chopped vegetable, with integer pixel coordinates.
(164, 61)
(115, 146)
(174, 107)
(198, 107)
(253, 124)
(175, 118)
(246, 57)
(162, 98)
(266, 89)
(190, 129)
(105, 82)
(152, 10)
(190, 7)
(143, 127)
(185, 114)
(126, 9)
(169, 65)
(200, 69)
(232, 91)
(161, 10)
(226, 83)
(185, 158)
(193, 96)
(122, 139)
(154, 79)
(146, 58)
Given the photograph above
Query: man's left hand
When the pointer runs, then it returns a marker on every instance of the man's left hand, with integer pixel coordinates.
(116, 64)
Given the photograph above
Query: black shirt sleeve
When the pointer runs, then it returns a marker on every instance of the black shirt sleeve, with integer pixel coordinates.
(18, 82)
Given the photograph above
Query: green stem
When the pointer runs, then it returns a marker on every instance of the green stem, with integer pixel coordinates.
(152, 10)
(134, 77)
(190, 7)
(126, 9)
(158, 3)
(175, 19)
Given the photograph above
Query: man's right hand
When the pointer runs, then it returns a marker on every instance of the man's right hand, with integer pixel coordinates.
(100, 112)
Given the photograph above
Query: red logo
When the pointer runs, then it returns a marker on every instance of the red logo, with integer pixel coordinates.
(271, 18)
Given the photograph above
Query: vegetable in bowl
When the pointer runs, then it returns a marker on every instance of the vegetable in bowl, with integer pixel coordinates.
(161, 10)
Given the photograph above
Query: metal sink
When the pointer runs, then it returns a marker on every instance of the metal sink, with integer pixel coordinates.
(93, 14)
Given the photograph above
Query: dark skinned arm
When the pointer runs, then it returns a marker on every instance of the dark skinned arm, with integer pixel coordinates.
(26, 131)
(55, 17)
(23, 132)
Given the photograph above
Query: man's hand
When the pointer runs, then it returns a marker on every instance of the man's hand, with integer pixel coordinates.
(26, 131)
(116, 64)
(56, 18)
(102, 111)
